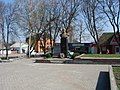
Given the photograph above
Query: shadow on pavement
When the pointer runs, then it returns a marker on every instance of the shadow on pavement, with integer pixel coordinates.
(103, 81)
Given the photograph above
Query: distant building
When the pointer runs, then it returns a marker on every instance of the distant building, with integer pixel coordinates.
(19, 47)
(2, 46)
(108, 44)
(39, 46)
(74, 47)
(3, 49)
(80, 47)
(41, 42)
(57, 49)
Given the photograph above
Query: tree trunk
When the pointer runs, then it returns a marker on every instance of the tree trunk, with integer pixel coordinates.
(7, 42)
(51, 45)
(44, 41)
(99, 51)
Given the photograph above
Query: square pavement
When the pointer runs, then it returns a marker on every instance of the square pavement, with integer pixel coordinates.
(26, 75)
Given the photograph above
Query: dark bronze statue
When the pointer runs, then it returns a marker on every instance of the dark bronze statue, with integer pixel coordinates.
(64, 43)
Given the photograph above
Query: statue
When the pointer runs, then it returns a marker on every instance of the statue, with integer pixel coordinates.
(64, 34)
(64, 43)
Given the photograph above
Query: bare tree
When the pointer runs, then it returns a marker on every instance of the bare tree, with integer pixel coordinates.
(92, 18)
(53, 17)
(2, 11)
(41, 16)
(69, 12)
(7, 20)
(111, 9)
(80, 31)
(31, 19)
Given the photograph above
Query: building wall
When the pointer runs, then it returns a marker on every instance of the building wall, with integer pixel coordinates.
(2, 52)
(94, 49)
(74, 47)
(56, 49)
(40, 45)
(108, 47)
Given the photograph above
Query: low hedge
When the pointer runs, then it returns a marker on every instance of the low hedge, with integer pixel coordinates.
(3, 58)
(48, 55)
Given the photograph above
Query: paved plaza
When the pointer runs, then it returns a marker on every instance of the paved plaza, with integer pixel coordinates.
(26, 75)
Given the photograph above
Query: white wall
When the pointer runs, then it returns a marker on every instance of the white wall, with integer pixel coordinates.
(4, 52)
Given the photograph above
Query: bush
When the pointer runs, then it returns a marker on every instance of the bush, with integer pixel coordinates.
(48, 55)
(74, 55)
(3, 58)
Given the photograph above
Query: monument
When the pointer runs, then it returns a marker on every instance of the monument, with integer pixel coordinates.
(64, 43)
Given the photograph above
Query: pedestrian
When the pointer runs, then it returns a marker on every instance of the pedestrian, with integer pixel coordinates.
(108, 51)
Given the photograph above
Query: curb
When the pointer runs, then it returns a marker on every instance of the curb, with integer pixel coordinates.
(113, 84)
(96, 58)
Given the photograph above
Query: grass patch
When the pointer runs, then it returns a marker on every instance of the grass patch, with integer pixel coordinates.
(102, 55)
(116, 71)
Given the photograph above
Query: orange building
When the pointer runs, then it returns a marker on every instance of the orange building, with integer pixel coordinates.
(40, 44)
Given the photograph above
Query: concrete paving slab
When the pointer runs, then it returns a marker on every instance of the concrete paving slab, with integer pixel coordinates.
(26, 75)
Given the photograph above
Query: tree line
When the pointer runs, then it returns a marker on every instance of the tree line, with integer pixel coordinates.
(49, 17)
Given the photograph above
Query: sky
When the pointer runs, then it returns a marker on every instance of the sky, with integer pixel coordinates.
(108, 28)
(7, 1)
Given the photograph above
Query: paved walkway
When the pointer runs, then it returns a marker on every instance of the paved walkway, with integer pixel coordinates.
(26, 75)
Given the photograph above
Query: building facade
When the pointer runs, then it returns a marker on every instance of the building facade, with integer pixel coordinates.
(41, 44)
(74, 47)
(108, 44)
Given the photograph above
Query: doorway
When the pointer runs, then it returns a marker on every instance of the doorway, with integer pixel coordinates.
(117, 49)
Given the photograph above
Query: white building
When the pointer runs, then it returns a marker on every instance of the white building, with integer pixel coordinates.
(20, 47)
(3, 49)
